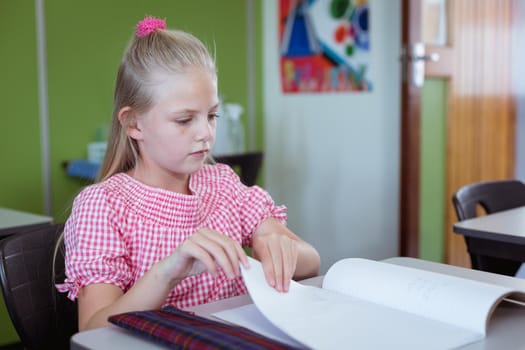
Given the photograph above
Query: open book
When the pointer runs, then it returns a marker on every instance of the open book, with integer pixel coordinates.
(365, 304)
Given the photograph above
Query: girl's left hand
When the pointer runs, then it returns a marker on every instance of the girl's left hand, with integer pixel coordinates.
(278, 255)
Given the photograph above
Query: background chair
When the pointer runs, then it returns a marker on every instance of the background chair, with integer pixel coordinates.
(42, 317)
(248, 165)
(492, 196)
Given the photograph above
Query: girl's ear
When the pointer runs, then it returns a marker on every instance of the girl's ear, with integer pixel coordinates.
(128, 121)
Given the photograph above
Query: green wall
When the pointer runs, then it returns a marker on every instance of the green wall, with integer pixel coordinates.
(433, 152)
(85, 41)
(258, 45)
(20, 178)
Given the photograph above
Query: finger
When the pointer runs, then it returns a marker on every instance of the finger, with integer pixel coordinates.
(265, 258)
(243, 257)
(223, 250)
(190, 249)
(284, 257)
(289, 265)
(219, 257)
(277, 261)
(231, 248)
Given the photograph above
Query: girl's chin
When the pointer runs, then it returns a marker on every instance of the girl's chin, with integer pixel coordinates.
(196, 164)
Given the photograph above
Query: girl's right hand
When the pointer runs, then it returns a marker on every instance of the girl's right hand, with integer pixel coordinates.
(206, 250)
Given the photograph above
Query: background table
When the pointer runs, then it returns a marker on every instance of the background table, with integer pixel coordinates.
(505, 330)
(499, 235)
(12, 221)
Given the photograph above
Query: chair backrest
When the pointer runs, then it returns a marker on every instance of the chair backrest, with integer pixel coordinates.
(249, 165)
(42, 317)
(492, 196)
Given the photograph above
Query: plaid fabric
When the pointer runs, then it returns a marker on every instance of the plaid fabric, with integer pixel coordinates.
(181, 330)
(119, 228)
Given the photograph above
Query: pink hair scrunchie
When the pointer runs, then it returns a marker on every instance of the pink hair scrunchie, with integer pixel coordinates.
(149, 25)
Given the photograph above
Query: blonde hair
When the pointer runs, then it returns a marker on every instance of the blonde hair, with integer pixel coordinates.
(160, 52)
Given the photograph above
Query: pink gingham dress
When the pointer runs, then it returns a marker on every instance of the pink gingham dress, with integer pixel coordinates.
(120, 227)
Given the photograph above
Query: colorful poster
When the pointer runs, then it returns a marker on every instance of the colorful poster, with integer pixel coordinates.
(324, 45)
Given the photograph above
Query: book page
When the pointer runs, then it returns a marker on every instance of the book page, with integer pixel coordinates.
(250, 317)
(324, 319)
(461, 302)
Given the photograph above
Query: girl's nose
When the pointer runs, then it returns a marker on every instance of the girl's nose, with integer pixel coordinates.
(206, 130)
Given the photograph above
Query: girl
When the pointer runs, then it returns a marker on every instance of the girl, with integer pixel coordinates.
(160, 226)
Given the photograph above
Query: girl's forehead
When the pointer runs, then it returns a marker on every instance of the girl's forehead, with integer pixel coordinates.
(183, 80)
(199, 86)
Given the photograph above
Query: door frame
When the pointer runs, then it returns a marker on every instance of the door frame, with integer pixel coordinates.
(410, 178)
(410, 136)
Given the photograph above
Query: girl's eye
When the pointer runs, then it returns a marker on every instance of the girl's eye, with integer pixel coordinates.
(183, 121)
(213, 116)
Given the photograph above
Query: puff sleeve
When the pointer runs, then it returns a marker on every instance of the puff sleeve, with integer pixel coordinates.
(95, 250)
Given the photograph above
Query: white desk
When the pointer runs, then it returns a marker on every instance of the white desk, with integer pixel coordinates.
(12, 221)
(506, 327)
(504, 226)
(499, 235)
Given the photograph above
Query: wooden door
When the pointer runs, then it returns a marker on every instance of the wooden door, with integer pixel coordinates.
(475, 61)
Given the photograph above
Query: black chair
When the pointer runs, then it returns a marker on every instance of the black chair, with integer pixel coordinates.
(492, 196)
(248, 165)
(42, 317)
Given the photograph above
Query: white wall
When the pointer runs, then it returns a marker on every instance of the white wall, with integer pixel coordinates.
(333, 159)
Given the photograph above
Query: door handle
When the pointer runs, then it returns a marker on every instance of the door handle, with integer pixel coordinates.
(416, 59)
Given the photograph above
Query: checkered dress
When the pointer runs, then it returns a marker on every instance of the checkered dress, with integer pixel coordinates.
(120, 227)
